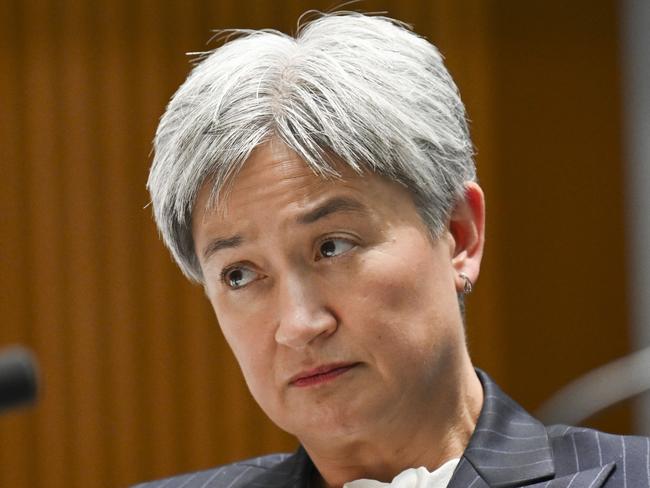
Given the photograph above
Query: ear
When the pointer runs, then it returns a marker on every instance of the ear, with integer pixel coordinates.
(467, 228)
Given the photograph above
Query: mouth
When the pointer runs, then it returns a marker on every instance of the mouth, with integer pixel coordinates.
(322, 374)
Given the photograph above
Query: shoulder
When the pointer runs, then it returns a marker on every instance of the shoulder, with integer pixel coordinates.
(577, 448)
(236, 474)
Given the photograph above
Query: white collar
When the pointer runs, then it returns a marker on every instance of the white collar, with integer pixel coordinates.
(412, 478)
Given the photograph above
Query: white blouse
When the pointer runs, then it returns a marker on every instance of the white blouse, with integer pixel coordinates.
(412, 478)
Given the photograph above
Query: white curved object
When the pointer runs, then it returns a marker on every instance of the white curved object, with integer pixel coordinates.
(614, 382)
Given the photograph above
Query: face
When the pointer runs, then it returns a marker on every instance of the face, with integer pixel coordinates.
(340, 309)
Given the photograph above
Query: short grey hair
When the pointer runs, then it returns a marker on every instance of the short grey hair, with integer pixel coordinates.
(352, 88)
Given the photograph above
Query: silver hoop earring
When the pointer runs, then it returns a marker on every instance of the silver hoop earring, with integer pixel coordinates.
(467, 287)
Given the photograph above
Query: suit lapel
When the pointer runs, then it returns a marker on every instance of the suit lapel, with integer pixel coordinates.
(508, 446)
(589, 478)
(466, 476)
(293, 472)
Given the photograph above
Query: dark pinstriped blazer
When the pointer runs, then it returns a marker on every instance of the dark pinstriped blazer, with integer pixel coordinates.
(508, 448)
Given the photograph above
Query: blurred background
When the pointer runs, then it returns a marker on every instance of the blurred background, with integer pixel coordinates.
(137, 381)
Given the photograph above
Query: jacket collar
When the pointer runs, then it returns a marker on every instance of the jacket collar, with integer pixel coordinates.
(508, 446)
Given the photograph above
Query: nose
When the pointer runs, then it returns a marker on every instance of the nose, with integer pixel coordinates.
(303, 314)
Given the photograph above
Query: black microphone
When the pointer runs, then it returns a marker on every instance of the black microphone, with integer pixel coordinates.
(18, 378)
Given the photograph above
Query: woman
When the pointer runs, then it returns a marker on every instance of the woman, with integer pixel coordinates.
(323, 192)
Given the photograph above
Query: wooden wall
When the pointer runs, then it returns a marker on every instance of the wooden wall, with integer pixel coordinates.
(137, 381)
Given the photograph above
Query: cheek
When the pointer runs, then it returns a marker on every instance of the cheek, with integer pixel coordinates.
(248, 346)
(404, 293)
(255, 364)
(407, 276)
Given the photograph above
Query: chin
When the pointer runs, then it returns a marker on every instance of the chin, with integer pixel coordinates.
(346, 421)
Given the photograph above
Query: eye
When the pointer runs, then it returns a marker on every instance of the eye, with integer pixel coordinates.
(238, 277)
(334, 247)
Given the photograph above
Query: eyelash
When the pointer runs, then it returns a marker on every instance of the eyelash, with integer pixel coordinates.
(223, 276)
(347, 239)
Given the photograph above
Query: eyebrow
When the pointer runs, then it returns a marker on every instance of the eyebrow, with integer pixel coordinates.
(221, 243)
(333, 205)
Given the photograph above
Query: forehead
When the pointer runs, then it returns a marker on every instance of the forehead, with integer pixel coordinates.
(274, 174)
(274, 169)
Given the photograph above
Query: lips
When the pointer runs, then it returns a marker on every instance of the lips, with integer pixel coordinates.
(320, 375)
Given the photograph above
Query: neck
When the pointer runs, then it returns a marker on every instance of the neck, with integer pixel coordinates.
(428, 436)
